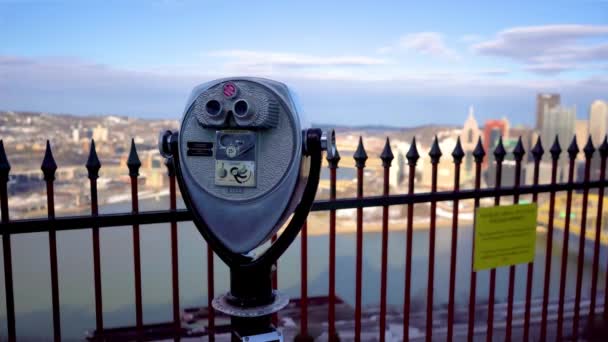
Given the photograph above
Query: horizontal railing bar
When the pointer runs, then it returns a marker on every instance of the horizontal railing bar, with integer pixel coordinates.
(87, 221)
(427, 197)
(150, 217)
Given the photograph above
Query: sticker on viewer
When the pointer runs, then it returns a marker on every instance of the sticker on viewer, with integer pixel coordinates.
(504, 236)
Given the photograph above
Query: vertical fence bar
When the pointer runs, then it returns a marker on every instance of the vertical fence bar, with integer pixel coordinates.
(275, 282)
(387, 157)
(48, 168)
(210, 295)
(303, 335)
(537, 153)
(572, 152)
(604, 153)
(435, 155)
(360, 157)
(133, 163)
(412, 158)
(5, 168)
(588, 150)
(603, 150)
(478, 154)
(556, 150)
(518, 154)
(174, 251)
(457, 155)
(93, 165)
(333, 158)
(499, 155)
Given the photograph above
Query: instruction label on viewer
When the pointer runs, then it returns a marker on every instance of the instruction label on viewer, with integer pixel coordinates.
(504, 235)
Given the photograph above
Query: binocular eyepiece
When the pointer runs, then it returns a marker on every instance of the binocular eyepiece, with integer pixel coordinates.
(244, 106)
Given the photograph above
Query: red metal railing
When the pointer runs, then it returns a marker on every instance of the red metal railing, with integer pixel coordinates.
(478, 153)
(412, 158)
(48, 168)
(134, 164)
(387, 157)
(93, 165)
(457, 154)
(52, 224)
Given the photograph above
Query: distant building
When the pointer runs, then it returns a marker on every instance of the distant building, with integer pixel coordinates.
(558, 121)
(492, 131)
(75, 135)
(468, 138)
(526, 134)
(445, 169)
(598, 121)
(508, 167)
(581, 129)
(100, 133)
(544, 101)
(399, 172)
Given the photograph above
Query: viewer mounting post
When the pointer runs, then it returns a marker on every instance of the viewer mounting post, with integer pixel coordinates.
(244, 165)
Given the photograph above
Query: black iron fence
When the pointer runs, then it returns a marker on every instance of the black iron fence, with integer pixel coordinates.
(96, 221)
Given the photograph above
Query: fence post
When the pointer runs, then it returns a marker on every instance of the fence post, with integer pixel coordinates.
(360, 157)
(537, 153)
(174, 254)
(93, 165)
(387, 157)
(303, 334)
(478, 154)
(603, 150)
(588, 150)
(457, 155)
(555, 151)
(210, 294)
(572, 152)
(499, 156)
(412, 158)
(133, 163)
(333, 158)
(518, 154)
(5, 168)
(435, 155)
(48, 168)
(275, 282)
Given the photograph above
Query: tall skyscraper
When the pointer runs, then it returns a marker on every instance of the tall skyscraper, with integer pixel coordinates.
(598, 121)
(543, 101)
(559, 121)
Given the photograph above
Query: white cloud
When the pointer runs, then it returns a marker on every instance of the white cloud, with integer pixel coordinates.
(79, 86)
(549, 48)
(427, 43)
(281, 59)
(549, 68)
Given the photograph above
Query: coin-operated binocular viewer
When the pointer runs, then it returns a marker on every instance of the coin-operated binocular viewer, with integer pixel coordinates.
(245, 165)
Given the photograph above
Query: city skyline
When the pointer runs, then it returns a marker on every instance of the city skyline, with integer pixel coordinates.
(413, 65)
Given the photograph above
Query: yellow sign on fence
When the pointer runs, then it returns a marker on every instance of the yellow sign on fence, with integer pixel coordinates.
(504, 235)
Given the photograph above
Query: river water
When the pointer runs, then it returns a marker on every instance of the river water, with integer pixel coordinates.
(32, 277)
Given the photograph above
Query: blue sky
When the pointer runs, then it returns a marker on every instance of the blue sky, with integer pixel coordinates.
(352, 62)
